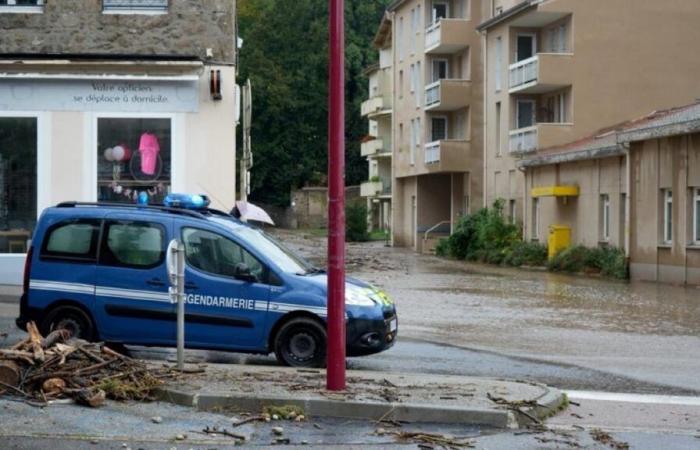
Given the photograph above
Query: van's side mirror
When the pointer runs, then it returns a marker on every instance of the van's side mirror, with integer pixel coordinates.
(242, 272)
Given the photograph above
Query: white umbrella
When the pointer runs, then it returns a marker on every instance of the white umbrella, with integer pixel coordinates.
(250, 212)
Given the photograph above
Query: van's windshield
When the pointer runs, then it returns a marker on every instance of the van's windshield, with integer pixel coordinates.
(275, 251)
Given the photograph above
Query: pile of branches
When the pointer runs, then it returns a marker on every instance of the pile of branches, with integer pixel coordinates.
(42, 369)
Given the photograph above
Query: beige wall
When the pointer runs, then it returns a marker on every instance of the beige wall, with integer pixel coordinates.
(583, 214)
(669, 163)
(203, 149)
(620, 50)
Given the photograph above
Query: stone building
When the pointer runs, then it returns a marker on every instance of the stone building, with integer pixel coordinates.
(103, 99)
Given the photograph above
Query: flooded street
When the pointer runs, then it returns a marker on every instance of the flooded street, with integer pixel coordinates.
(644, 332)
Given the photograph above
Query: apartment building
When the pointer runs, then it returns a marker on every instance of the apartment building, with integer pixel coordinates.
(560, 70)
(377, 146)
(101, 100)
(437, 104)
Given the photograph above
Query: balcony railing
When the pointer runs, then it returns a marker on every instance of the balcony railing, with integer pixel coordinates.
(524, 72)
(432, 152)
(432, 93)
(448, 94)
(373, 147)
(135, 5)
(448, 35)
(376, 105)
(523, 140)
(371, 188)
(432, 35)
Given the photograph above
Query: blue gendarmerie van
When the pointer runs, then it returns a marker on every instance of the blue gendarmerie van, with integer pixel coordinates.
(99, 270)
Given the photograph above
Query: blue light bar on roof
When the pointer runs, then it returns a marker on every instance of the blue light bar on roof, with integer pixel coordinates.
(187, 201)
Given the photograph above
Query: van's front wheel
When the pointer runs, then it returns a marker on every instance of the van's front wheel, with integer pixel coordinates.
(75, 320)
(301, 342)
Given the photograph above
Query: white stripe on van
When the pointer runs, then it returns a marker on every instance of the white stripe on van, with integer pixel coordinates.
(157, 296)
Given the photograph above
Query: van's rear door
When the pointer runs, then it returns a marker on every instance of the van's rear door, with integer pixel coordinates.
(63, 263)
(132, 282)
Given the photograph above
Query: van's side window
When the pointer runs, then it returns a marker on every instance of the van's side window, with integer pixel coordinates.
(74, 240)
(138, 245)
(215, 254)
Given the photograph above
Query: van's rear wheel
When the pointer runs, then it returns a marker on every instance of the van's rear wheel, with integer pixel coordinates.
(71, 318)
(301, 342)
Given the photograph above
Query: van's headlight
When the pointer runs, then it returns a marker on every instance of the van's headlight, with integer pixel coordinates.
(358, 296)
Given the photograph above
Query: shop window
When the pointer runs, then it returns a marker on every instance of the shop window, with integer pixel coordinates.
(134, 156)
(138, 245)
(18, 182)
(74, 240)
(215, 254)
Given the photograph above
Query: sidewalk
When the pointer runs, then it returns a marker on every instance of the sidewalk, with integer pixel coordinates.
(370, 395)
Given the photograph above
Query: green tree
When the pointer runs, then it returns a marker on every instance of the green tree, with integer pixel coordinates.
(285, 54)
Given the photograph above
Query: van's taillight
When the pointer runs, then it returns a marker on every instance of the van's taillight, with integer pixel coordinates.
(27, 269)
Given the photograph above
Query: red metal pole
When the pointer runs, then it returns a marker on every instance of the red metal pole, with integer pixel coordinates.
(335, 380)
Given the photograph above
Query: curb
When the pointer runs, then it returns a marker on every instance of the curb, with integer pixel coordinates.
(550, 403)
(410, 412)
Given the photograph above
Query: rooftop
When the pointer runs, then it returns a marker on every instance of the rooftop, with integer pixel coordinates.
(609, 141)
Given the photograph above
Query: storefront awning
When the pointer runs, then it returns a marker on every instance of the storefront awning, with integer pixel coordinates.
(555, 191)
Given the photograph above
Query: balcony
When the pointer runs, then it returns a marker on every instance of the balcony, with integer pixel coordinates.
(448, 36)
(371, 148)
(544, 72)
(376, 106)
(449, 155)
(371, 188)
(447, 95)
(540, 136)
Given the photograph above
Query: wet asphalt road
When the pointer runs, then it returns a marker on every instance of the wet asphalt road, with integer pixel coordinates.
(411, 355)
(581, 334)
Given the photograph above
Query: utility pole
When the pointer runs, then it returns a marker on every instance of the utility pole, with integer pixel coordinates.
(247, 156)
(335, 380)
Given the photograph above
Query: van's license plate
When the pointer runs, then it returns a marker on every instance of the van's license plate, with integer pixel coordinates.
(393, 325)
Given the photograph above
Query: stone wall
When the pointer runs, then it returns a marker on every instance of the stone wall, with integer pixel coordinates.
(310, 206)
(80, 27)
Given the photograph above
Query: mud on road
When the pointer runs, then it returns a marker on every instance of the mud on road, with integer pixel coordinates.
(645, 331)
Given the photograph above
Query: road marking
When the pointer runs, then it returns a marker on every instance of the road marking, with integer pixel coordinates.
(634, 398)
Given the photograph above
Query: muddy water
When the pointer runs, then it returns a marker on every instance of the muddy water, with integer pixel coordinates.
(643, 330)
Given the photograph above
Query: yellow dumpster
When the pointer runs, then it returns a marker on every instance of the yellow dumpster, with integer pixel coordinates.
(559, 239)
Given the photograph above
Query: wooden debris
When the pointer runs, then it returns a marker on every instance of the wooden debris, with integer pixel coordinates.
(53, 386)
(606, 439)
(431, 440)
(9, 373)
(223, 432)
(59, 367)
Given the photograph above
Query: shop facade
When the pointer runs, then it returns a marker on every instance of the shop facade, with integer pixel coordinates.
(65, 137)
(78, 124)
